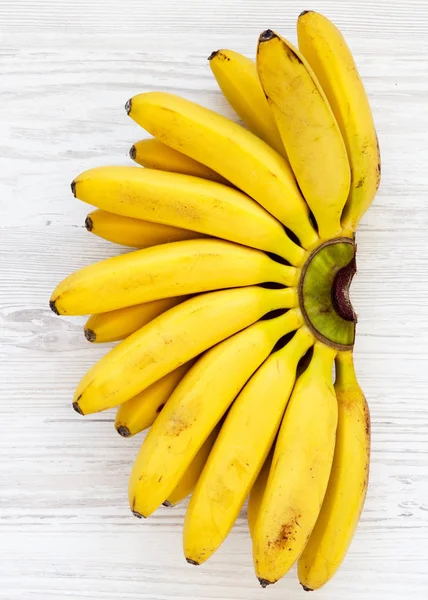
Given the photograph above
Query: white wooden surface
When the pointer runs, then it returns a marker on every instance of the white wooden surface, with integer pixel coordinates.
(66, 70)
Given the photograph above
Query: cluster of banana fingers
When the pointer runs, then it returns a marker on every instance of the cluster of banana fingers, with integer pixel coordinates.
(234, 308)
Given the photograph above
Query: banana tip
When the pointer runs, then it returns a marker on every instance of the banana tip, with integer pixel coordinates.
(264, 582)
(128, 106)
(77, 408)
(213, 54)
(73, 188)
(166, 503)
(89, 224)
(305, 12)
(90, 335)
(267, 35)
(192, 562)
(138, 515)
(306, 589)
(123, 431)
(53, 307)
(133, 152)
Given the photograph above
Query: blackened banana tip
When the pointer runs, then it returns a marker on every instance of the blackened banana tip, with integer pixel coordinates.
(89, 224)
(305, 12)
(166, 503)
(138, 515)
(264, 582)
(73, 188)
(123, 431)
(192, 562)
(77, 408)
(53, 307)
(133, 152)
(128, 106)
(213, 54)
(306, 589)
(267, 35)
(90, 335)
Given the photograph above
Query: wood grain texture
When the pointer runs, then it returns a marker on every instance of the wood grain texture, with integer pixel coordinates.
(66, 70)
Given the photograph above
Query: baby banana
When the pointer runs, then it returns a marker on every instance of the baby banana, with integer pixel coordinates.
(300, 470)
(347, 486)
(134, 232)
(323, 46)
(239, 81)
(153, 154)
(175, 269)
(116, 325)
(186, 202)
(141, 411)
(240, 450)
(308, 128)
(172, 339)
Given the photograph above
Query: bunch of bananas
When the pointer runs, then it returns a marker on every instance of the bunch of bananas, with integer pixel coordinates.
(235, 307)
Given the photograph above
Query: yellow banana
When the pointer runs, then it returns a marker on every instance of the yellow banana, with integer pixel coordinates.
(172, 339)
(141, 411)
(325, 49)
(240, 451)
(308, 128)
(134, 232)
(186, 202)
(257, 491)
(300, 470)
(229, 149)
(347, 486)
(116, 325)
(153, 154)
(199, 402)
(190, 478)
(239, 81)
(175, 269)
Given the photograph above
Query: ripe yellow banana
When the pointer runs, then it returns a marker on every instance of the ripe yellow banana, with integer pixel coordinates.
(116, 325)
(186, 202)
(308, 128)
(229, 149)
(172, 339)
(240, 451)
(153, 154)
(175, 269)
(325, 49)
(190, 478)
(347, 486)
(141, 411)
(257, 491)
(300, 470)
(200, 401)
(239, 81)
(134, 232)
